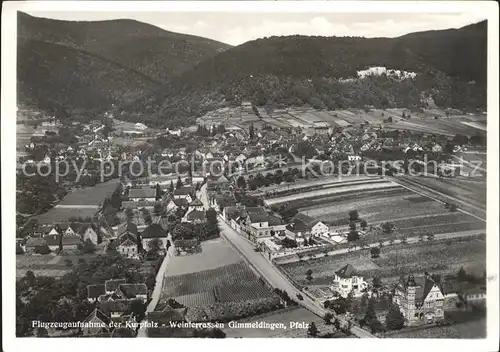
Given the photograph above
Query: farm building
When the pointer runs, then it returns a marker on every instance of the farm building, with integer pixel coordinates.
(155, 232)
(138, 194)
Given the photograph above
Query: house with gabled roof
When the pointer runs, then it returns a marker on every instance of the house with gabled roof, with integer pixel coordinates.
(127, 245)
(186, 192)
(112, 285)
(420, 299)
(95, 291)
(155, 232)
(90, 232)
(346, 281)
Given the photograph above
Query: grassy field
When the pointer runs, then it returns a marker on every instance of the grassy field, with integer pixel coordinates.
(435, 257)
(214, 254)
(48, 265)
(90, 195)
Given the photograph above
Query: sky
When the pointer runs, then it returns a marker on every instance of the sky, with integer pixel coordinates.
(236, 28)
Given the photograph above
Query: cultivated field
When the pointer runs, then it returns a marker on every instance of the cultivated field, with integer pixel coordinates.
(48, 265)
(341, 187)
(377, 201)
(216, 284)
(443, 256)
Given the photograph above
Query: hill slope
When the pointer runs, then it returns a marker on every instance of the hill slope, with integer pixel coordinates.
(148, 49)
(294, 70)
(52, 75)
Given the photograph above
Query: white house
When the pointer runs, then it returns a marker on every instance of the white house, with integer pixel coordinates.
(319, 228)
(346, 281)
(140, 126)
(90, 232)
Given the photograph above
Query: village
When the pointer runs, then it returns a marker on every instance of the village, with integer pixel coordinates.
(247, 181)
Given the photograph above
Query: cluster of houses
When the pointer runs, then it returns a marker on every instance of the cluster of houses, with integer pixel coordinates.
(113, 315)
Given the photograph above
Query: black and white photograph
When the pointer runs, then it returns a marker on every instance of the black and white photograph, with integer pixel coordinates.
(280, 170)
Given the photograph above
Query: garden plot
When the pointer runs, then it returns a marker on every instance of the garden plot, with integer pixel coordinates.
(214, 253)
(444, 256)
(337, 189)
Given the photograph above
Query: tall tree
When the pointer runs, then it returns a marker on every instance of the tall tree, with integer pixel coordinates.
(179, 183)
(312, 330)
(394, 320)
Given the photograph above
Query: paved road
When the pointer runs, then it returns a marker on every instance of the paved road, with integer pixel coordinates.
(273, 275)
(155, 296)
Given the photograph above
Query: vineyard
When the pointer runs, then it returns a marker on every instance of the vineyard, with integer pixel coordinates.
(227, 292)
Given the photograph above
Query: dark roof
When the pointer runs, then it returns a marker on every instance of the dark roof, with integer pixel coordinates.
(275, 220)
(127, 236)
(96, 313)
(132, 290)
(346, 272)
(186, 243)
(127, 227)
(303, 218)
(184, 191)
(69, 240)
(257, 214)
(181, 202)
(142, 193)
(112, 285)
(422, 285)
(196, 203)
(120, 305)
(94, 291)
(196, 215)
(154, 231)
(52, 240)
